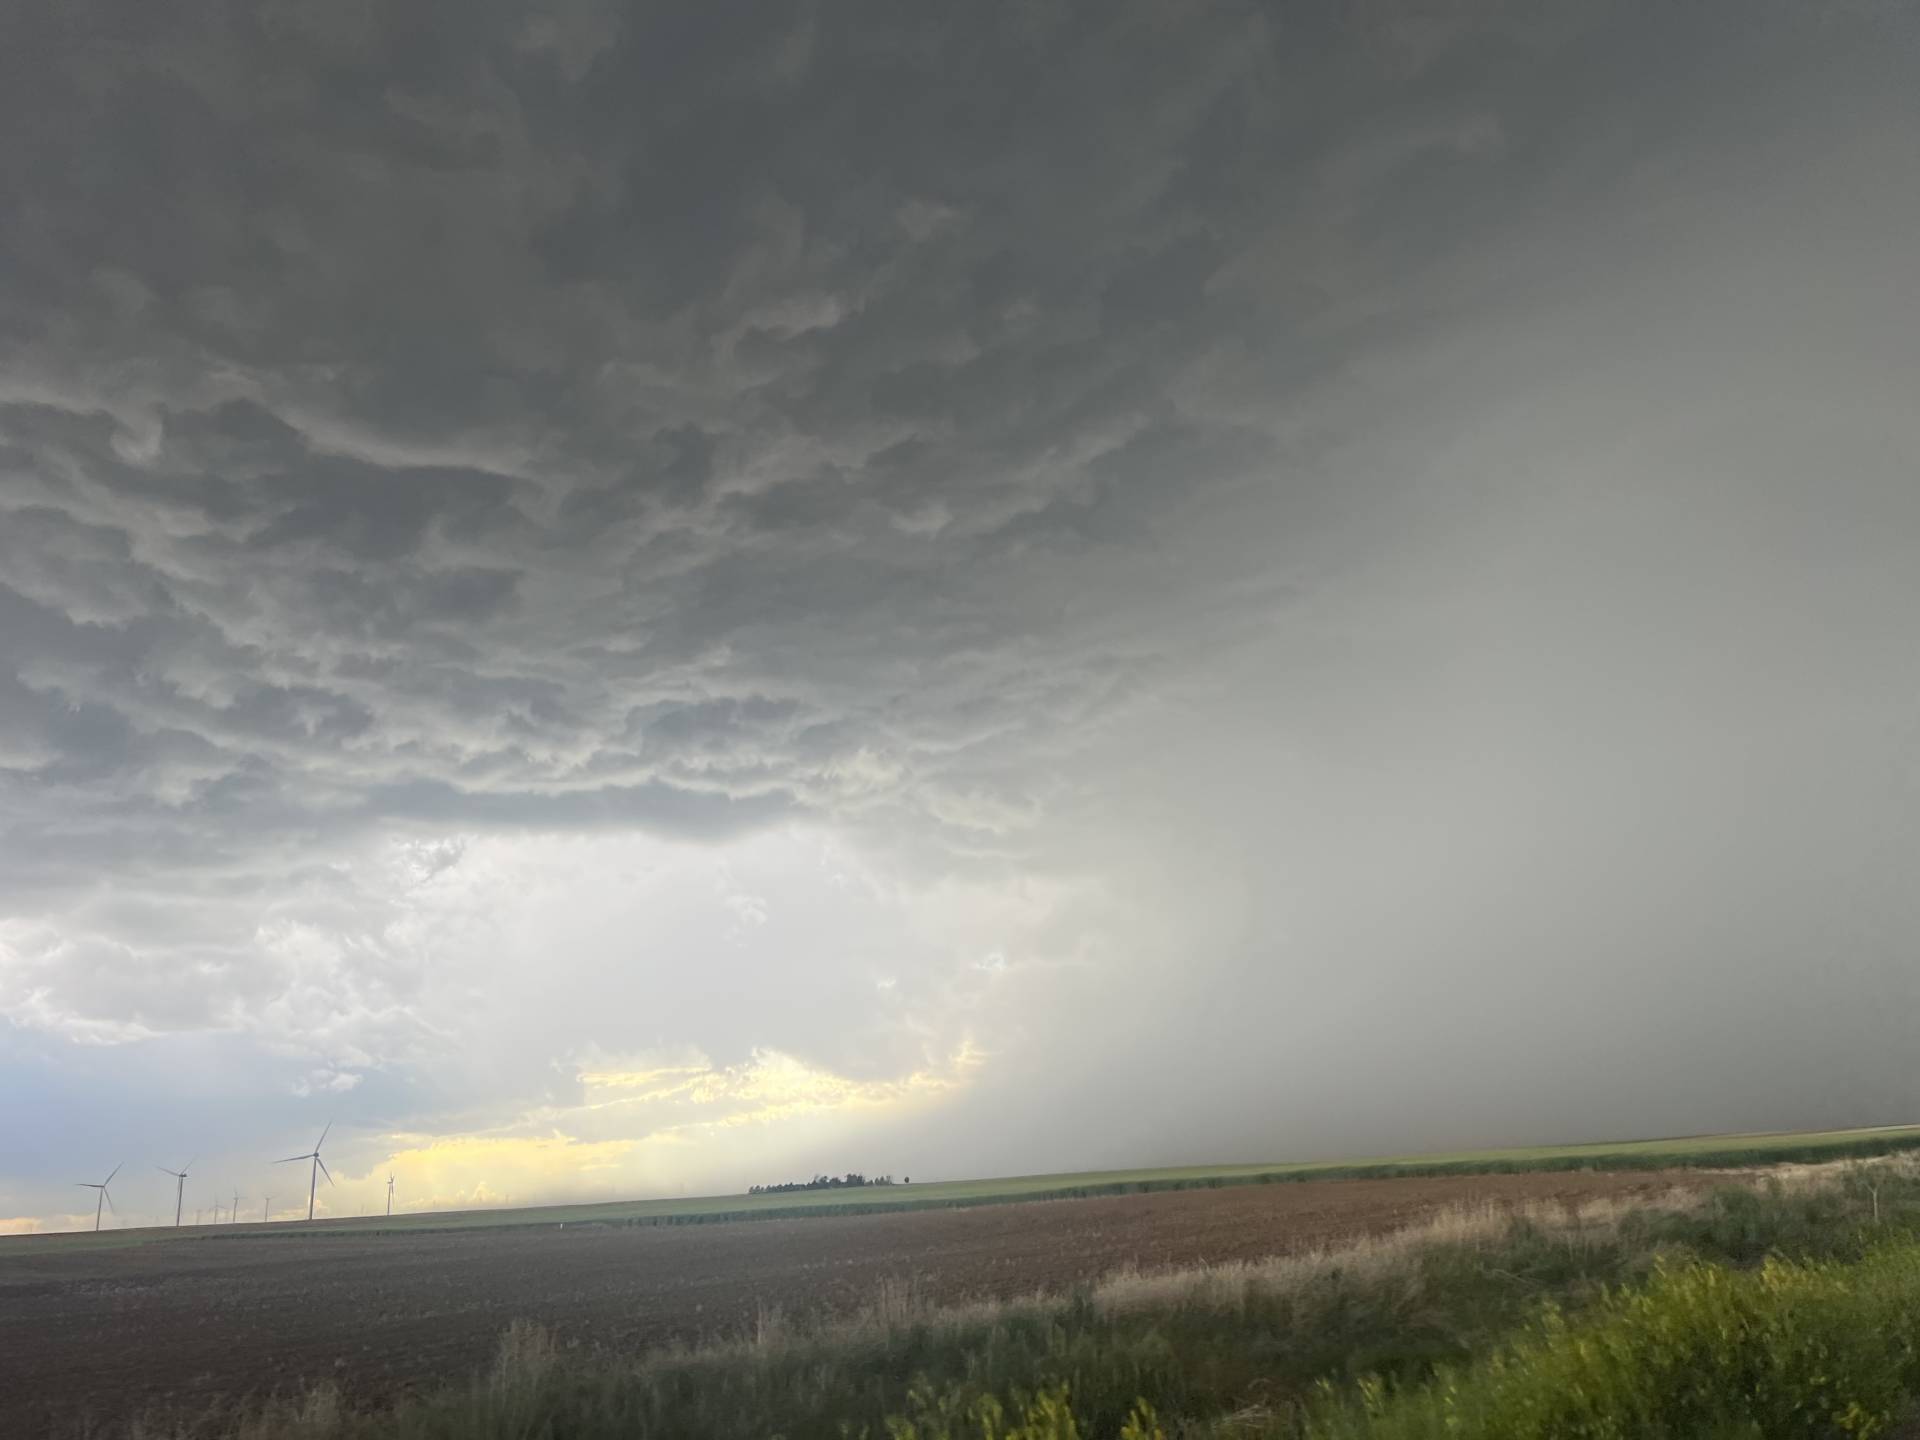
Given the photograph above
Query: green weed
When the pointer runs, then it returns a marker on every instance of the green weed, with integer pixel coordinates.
(1792, 1349)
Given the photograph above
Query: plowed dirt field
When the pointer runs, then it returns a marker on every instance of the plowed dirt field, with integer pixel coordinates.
(176, 1324)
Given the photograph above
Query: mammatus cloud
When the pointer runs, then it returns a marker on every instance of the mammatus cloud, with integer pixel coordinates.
(683, 506)
(1076, 567)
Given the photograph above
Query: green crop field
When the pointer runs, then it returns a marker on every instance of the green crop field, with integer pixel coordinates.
(1688, 1151)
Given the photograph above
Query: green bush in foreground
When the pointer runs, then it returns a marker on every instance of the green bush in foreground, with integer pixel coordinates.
(1789, 1350)
(1046, 1416)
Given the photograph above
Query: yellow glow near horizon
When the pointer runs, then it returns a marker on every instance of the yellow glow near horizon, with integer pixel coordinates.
(695, 1131)
(770, 1086)
(480, 1170)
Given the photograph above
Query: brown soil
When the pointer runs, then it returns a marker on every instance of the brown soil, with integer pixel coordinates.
(109, 1333)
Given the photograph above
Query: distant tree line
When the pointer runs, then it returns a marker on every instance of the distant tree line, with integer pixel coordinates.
(853, 1179)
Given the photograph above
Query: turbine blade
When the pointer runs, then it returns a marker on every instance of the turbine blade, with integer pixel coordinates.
(323, 1169)
(188, 1166)
(110, 1174)
(109, 1197)
(323, 1138)
(291, 1158)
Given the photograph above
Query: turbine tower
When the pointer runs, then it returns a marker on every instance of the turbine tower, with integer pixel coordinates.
(179, 1189)
(105, 1199)
(389, 1196)
(266, 1206)
(319, 1168)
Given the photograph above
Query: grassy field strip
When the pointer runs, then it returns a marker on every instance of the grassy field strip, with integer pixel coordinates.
(1706, 1151)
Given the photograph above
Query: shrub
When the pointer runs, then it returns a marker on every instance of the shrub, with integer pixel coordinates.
(1788, 1350)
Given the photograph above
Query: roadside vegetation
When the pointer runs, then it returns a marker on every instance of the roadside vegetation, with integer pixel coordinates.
(1788, 1308)
(1791, 1349)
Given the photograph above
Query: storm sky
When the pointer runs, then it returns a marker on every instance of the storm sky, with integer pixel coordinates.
(633, 599)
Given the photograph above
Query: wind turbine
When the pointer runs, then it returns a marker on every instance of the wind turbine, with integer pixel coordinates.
(179, 1189)
(265, 1206)
(389, 1196)
(233, 1215)
(318, 1169)
(105, 1199)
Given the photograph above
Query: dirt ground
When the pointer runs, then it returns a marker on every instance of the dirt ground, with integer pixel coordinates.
(109, 1333)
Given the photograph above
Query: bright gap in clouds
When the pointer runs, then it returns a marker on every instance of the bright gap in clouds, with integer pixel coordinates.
(662, 996)
(605, 1015)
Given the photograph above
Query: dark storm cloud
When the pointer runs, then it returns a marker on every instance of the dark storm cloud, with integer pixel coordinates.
(418, 419)
(435, 402)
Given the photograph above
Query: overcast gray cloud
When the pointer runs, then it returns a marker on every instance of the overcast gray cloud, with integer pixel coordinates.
(778, 586)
